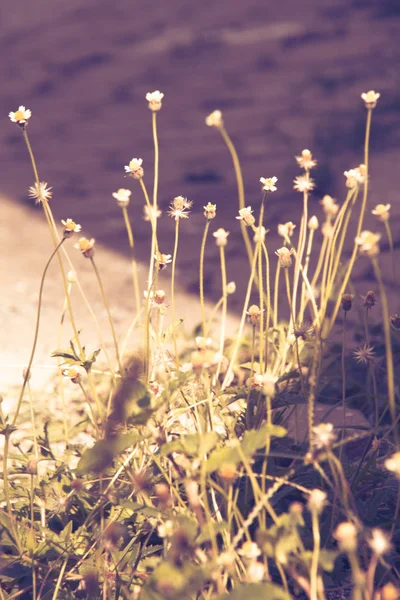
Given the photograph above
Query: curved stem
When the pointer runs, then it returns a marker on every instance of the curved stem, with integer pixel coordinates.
(36, 334)
(202, 250)
(240, 187)
(110, 319)
(134, 265)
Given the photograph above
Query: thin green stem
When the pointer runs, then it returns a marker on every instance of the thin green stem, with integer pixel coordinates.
(36, 334)
(315, 556)
(388, 347)
(173, 290)
(202, 250)
(110, 319)
(134, 265)
(240, 187)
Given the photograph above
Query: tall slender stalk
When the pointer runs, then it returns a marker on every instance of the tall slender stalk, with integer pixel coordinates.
(110, 319)
(202, 250)
(240, 187)
(173, 290)
(133, 260)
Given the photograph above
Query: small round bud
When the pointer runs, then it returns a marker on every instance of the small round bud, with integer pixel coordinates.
(347, 302)
(231, 288)
(317, 500)
(254, 314)
(313, 223)
(369, 300)
(346, 536)
(31, 467)
(228, 473)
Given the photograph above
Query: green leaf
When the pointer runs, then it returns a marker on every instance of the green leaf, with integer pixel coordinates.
(222, 456)
(247, 365)
(101, 455)
(257, 591)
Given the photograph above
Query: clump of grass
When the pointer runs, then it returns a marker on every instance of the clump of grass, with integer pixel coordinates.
(173, 473)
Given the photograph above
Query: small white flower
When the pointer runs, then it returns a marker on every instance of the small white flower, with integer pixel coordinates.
(269, 184)
(155, 100)
(215, 119)
(346, 536)
(135, 168)
(221, 237)
(268, 384)
(166, 530)
(210, 211)
(255, 572)
(303, 183)
(393, 464)
(370, 98)
(305, 161)
(122, 196)
(324, 436)
(368, 242)
(355, 177)
(249, 551)
(317, 500)
(329, 205)
(21, 115)
(86, 246)
(40, 192)
(179, 208)
(379, 542)
(364, 354)
(254, 314)
(382, 211)
(150, 213)
(70, 226)
(286, 229)
(163, 260)
(246, 215)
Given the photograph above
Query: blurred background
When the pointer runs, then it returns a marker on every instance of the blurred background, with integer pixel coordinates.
(287, 75)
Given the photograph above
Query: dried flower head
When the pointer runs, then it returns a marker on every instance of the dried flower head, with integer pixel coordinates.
(149, 213)
(286, 229)
(379, 542)
(221, 237)
(354, 177)
(269, 184)
(316, 500)
(122, 196)
(393, 464)
(313, 223)
(347, 302)
(249, 551)
(86, 247)
(72, 374)
(162, 260)
(179, 208)
(346, 536)
(254, 314)
(21, 115)
(329, 206)
(269, 384)
(285, 257)
(70, 227)
(303, 183)
(369, 300)
(323, 436)
(41, 192)
(368, 243)
(155, 100)
(395, 321)
(364, 354)
(260, 233)
(370, 98)
(246, 215)
(210, 211)
(215, 119)
(135, 168)
(305, 161)
(382, 211)
(304, 330)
